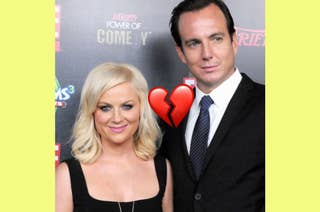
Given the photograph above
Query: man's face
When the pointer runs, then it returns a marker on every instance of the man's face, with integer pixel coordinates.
(207, 48)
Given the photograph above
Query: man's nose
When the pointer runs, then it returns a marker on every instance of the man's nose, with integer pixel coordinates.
(207, 51)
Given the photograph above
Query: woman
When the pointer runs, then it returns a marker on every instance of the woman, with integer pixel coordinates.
(114, 166)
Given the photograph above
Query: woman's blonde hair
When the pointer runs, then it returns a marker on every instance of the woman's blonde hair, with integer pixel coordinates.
(87, 146)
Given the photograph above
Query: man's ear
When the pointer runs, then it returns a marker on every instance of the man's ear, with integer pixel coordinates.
(235, 43)
(181, 54)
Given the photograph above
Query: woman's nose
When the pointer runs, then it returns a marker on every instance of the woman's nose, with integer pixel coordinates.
(117, 116)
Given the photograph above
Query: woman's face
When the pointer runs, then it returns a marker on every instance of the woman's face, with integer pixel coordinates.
(117, 114)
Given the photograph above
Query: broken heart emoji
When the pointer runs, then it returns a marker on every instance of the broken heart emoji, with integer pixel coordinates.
(180, 102)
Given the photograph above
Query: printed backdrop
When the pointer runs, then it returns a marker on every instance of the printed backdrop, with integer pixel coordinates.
(137, 32)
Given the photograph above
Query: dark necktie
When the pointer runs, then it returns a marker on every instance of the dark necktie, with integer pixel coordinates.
(200, 134)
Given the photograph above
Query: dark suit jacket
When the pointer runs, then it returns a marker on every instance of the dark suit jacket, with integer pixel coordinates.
(233, 176)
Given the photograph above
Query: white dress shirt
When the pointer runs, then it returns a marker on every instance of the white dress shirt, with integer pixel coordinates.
(221, 97)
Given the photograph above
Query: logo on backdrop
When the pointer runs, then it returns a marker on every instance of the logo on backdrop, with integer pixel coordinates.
(191, 81)
(57, 27)
(63, 94)
(57, 152)
(250, 37)
(123, 29)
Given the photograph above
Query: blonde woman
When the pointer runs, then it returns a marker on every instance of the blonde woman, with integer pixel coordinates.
(114, 165)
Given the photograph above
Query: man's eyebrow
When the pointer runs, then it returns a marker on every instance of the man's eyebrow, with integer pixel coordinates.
(211, 36)
(217, 34)
(191, 40)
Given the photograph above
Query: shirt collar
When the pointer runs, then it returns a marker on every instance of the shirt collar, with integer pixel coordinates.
(224, 92)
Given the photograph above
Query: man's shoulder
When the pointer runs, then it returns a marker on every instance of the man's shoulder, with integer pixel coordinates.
(256, 87)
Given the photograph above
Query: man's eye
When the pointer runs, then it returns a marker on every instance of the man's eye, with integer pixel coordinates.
(218, 39)
(127, 107)
(193, 43)
(105, 108)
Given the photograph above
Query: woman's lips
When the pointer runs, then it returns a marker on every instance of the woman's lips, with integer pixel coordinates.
(118, 129)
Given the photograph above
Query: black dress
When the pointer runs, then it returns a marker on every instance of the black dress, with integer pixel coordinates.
(83, 202)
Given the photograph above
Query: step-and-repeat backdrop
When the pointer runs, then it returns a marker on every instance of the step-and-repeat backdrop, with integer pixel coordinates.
(137, 32)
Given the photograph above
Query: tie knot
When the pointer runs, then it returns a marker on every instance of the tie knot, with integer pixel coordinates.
(206, 102)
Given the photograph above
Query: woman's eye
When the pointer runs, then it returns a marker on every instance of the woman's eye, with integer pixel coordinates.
(127, 107)
(105, 108)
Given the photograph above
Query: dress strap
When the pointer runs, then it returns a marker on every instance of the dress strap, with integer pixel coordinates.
(161, 169)
(78, 183)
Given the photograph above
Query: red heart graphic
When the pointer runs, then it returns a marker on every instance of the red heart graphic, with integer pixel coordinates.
(157, 102)
(181, 100)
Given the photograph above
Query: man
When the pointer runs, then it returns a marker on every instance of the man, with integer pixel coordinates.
(217, 152)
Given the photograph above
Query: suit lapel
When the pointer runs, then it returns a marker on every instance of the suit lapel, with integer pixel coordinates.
(237, 102)
(188, 162)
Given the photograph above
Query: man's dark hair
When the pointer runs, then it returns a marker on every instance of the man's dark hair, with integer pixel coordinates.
(194, 5)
